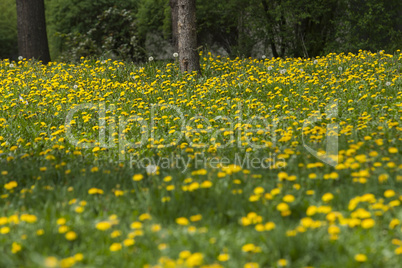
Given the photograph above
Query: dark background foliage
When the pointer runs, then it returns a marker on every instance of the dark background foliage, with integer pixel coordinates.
(134, 29)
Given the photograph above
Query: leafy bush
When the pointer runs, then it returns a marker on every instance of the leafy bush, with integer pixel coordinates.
(8, 29)
(113, 36)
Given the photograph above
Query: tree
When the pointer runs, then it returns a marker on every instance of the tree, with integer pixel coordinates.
(187, 37)
(31, 25)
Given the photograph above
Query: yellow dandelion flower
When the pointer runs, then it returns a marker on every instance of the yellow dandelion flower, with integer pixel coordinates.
(138, 177)
(78, 257)
(155, 228)
(79, 209)
(197, 217)
(118, 193)
(282, 176)
(145, 216)
(393, 223)
(367, 223)
(182, 221)
(4, 230)
(71, 236)
(223, 257)
(167, 178)
(392, 150)
(94, 169)
(184, 254)
(288, 198)
(282, 207)
(206, 184)
(259, 190)
(269, 226)
(162, 246)
(282, 262)
(251, 265)
(115, 247)
(95, 191)
(195, 259)
(259, 227)
(51, 262)
(360, 258)
(333, 230)
(221, 174)
(67, 262)
(15, 247)
(115, 233)
(61, 221)
(103, 225)
(327, 197)
(248, 247)
(389, 193)
(128, 242)
(11, 185)
(40, 232)
(136, 225)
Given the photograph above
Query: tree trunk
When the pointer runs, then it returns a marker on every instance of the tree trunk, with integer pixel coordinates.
(174, 8)
(32, 37)
(188, 54)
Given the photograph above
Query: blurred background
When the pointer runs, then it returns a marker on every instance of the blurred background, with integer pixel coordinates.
(136, 29)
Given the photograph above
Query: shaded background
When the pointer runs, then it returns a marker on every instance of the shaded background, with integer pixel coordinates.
(135, 29)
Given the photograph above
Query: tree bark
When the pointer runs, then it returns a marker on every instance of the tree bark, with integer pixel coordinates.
(174, 8)
(31, 25)
(187, 41)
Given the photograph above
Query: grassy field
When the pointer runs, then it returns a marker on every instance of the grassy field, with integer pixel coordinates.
(255, 163)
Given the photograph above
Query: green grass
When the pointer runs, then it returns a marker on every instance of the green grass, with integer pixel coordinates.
(204, 199)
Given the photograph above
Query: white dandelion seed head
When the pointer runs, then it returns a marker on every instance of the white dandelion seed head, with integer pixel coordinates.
(340, 68)
(175, 55)
(75, 86)
(283, 71)
(151, 58)
(269, 68)
(11, 65)
(263, 56)
(315, 61)
(151, 169)
(20, 58)
(388, 84)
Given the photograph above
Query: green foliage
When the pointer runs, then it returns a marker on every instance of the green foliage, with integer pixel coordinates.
(8, 29)
(370, 25)
(76, 16)
(279, 28)
(299, 28)
(113, 36)
(218, 23)
(153, 16)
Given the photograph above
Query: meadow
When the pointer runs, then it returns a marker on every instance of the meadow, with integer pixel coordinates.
(255, 163)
